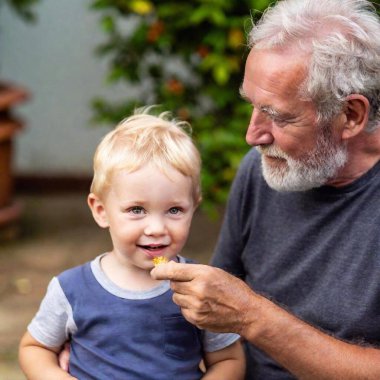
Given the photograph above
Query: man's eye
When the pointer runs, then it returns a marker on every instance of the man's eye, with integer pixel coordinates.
(280, 122)
(137, 210)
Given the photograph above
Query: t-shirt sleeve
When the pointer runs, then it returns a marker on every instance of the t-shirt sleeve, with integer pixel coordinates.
(53, 324)
(217, 341)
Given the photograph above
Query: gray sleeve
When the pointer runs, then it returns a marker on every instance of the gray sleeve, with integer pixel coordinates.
(53, 324)
(217, 341)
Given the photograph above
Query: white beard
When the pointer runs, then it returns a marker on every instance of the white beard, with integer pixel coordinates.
(313, 170)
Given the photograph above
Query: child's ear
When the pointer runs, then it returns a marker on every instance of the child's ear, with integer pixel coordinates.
(356, 113)
(98, 210)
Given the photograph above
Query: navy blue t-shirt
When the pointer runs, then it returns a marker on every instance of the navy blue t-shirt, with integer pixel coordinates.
(117, 333)
(316, 252)
(128, 338)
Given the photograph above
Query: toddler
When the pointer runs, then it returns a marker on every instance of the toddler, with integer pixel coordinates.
(121, 323)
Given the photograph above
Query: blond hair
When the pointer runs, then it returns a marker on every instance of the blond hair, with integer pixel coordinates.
(144, 138)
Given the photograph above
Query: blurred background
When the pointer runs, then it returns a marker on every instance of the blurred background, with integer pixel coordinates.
(69, 71)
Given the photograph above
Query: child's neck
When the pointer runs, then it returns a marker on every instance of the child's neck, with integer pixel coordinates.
(125, 275)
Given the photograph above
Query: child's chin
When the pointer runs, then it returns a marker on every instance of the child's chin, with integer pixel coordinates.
(148, 265)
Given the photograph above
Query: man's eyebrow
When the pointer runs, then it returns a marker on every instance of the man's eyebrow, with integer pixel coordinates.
(243, 94)
(269, 110)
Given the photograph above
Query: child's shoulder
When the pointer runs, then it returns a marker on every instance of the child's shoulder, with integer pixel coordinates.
(74, 272)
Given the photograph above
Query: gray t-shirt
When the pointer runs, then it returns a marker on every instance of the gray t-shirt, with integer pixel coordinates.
(315, 252)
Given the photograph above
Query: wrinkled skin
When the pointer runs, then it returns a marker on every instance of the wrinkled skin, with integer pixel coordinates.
(209, 297)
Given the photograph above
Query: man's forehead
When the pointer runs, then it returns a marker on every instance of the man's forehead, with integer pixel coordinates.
(269, 72)
(276, 61)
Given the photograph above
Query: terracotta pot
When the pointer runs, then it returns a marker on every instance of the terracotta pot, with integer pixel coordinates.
(10, 96)
(8, 129)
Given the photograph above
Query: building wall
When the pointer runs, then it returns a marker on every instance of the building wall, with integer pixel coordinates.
(55, 60)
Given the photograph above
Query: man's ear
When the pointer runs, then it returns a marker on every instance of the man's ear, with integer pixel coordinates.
(356, 115)
(98, 210)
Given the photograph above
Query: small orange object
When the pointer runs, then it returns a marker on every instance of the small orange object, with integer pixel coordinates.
(160, 260)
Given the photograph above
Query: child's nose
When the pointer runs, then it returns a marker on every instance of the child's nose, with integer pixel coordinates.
(155, 226)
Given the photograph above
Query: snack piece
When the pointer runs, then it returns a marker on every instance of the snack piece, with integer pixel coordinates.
(159, 260)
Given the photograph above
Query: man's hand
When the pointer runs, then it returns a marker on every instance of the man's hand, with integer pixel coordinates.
(209, 297)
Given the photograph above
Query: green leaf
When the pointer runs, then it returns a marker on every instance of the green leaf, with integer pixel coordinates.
(108, 24)
(204, 35)
(221, 73)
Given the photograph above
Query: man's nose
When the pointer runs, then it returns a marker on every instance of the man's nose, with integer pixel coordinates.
(259, 131)
(155, 226)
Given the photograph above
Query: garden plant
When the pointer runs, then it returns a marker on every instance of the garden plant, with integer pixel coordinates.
(187, 57)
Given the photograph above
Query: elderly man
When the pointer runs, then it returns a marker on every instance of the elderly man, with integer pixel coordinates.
(303, 231)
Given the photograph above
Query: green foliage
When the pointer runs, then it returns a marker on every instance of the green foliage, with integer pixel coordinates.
(207, 40)
(23, 8)
(376, 3)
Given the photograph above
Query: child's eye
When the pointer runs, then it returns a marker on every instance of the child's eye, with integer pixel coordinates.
(174, 210)
(136, 210)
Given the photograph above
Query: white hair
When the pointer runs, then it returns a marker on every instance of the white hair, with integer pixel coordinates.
(343, 39)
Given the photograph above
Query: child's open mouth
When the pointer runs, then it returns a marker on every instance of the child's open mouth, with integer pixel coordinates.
(153, 250)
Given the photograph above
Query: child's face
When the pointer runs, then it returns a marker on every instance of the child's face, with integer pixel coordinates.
(148, 214)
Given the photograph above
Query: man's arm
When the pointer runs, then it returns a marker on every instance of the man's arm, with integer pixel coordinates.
(39, 362)
(213, 299)
(225, 364)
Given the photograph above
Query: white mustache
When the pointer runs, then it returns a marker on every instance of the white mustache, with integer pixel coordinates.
(272, 151)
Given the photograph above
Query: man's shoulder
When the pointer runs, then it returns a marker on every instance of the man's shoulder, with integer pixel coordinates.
(252, 157)
(249, 173)
(251, 164)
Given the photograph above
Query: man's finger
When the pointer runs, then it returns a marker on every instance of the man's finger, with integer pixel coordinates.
(182, 301)
(182, 287)
(174, 271)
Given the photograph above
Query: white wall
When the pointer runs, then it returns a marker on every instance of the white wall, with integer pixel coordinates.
(55, 60)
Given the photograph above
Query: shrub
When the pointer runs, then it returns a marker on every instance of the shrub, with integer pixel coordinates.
(188, 57)
(23, 8)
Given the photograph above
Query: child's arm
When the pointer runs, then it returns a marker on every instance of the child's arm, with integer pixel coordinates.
(225, 364)
(39, 362)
